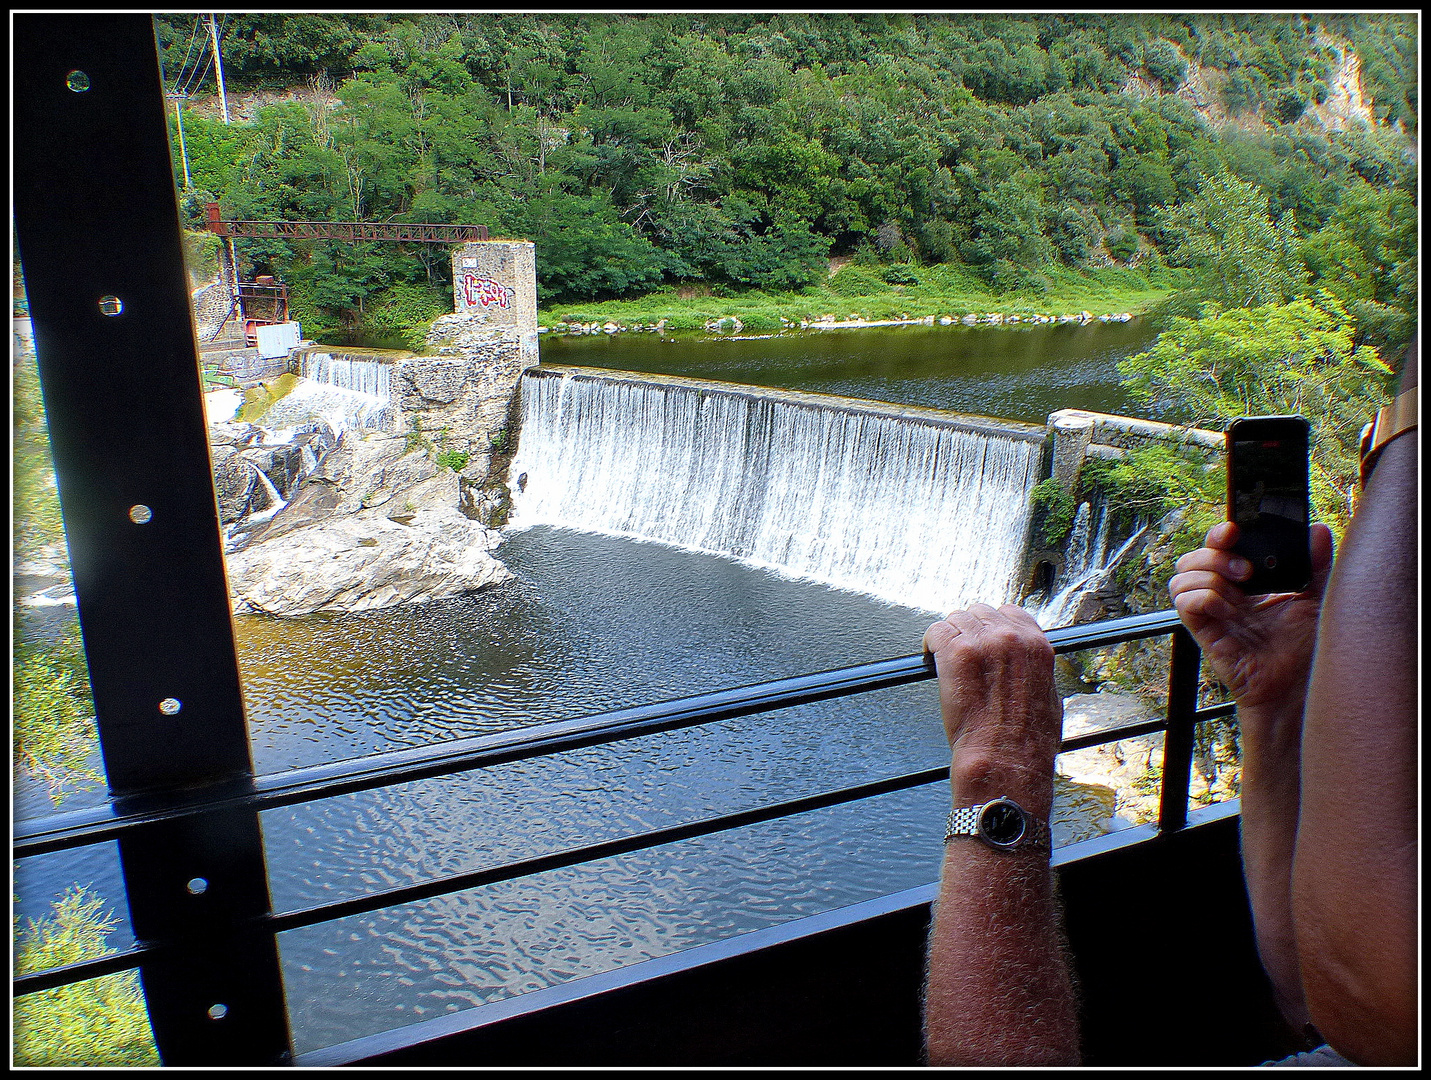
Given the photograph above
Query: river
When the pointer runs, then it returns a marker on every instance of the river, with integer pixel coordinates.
(1015, 372)
(593, 623)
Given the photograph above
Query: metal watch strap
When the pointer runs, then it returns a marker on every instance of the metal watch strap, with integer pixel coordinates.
(1392, 420)
(964, 821)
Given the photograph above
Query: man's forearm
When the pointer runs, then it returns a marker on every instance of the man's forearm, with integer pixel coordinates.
(999, 992)
(999, 986)
(1355, 876)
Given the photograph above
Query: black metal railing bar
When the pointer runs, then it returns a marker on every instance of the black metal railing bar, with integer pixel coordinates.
(291, 920)
(294, 920)
(80, 828)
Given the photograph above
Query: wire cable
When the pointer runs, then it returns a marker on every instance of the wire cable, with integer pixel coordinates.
(193, 35)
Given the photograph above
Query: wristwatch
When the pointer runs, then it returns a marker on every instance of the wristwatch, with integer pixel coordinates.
(1392, 420)
(1001, 823)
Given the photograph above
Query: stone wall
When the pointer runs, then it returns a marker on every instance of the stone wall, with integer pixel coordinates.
(1078, 434)
(496, 280)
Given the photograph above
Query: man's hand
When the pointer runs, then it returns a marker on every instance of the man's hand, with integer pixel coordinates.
(1002, 714)
(1260, 646)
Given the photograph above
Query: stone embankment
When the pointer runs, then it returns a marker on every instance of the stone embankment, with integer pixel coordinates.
(733, 325)
(331, 504)
(315, 521)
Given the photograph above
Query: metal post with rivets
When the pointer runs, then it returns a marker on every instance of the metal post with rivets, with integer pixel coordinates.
(97, 223)
(1184, 664)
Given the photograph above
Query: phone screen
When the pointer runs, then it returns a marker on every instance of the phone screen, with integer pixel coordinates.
(1267, 498)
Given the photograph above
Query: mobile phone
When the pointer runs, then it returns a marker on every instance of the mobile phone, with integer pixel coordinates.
(1267, 498)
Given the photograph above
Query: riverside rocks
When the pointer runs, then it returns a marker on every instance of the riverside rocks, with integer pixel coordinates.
(1119, 768)
(730, 324)
(363, 520)
(363, 562)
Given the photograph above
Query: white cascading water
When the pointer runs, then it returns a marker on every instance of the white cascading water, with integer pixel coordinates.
(343, 392)
(907, 510)
(371, 377)
(340, 409)
(1087, 567)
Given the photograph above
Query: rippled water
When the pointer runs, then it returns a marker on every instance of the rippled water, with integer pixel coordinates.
(591, 623)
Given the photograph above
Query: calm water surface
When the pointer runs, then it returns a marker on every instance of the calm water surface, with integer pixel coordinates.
(1020, 373)
(593, 623)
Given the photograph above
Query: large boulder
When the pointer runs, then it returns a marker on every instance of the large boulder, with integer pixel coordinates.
(1123, 766)
(234, 481)
(357, 563)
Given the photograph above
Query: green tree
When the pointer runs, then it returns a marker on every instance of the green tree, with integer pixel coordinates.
(1243, 259)
(1366, 255)
(584, 249)
(1294, 358)
(98, 1022)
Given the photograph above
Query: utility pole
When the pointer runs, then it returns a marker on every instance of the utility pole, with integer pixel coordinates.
(183, 152)
(219, 66)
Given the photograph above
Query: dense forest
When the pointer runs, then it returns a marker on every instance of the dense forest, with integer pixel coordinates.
(743, 152)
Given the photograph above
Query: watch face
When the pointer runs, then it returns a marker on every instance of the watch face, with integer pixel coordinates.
(1002, 822)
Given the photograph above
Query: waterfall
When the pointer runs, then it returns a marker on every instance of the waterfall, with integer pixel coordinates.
(341, 391)
(898, 503)
(335, 406)
(1087, 569)
(366, 376)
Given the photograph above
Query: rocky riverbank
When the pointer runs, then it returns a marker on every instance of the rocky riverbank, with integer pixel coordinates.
(346, 491)
(731, 324)
(349, 520)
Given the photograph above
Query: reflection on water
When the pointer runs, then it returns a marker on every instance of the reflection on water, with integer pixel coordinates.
(1015, 372)
(592, 623)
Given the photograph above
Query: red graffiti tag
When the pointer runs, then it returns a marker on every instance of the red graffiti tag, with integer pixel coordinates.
(486, 292)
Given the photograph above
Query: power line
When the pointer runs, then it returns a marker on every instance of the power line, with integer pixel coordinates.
(193, 36)
(204, 74)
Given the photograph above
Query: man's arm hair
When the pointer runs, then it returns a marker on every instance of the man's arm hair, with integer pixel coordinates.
(1354, 885)
(999, 990)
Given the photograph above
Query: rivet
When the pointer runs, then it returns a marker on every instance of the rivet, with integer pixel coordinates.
(169, 706)
(111, 305)
(197, 885)
(140, 514)
(218, 1011)
(77, 81)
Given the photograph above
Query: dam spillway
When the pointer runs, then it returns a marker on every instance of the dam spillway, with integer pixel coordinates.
(914, 506)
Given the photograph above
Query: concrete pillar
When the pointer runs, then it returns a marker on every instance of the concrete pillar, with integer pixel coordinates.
(1072, 431)
(497, 280)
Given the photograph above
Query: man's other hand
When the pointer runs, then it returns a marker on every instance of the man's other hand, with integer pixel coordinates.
(1260, 646)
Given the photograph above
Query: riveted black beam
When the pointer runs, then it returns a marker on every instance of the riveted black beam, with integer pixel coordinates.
(1182, 721)
(97, 222)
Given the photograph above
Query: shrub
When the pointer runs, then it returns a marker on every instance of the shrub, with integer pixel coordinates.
(900, 274)
(95, 1022)
(456, 460)
(1053, 511)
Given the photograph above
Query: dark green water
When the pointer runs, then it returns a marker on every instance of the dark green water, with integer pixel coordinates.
(1020, 373)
